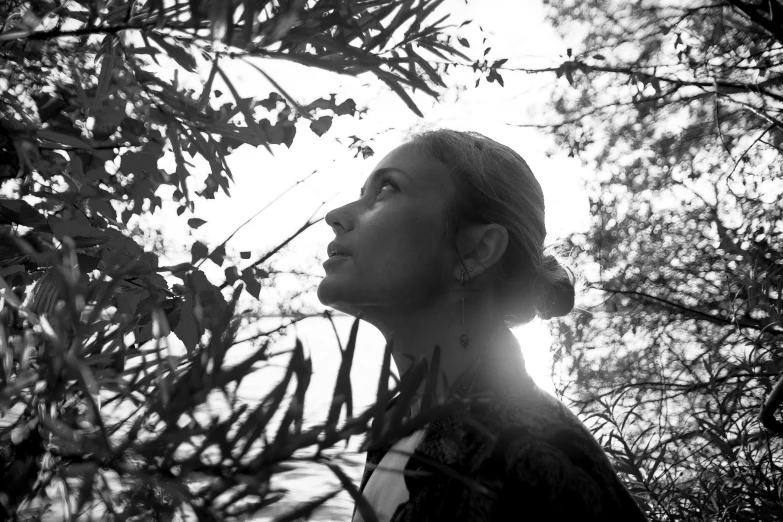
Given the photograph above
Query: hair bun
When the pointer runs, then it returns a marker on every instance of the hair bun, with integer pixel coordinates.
(555, 296)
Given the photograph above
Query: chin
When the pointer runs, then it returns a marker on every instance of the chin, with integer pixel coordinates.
(333, 296)
(326, 292)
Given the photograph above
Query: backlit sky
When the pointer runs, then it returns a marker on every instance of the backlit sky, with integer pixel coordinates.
(514, 30)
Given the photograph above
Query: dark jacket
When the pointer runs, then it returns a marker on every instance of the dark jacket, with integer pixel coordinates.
(541, 465)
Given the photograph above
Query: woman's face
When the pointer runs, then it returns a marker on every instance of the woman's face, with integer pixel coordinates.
(397, 259)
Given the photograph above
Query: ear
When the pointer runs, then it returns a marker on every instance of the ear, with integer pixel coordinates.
(481, 246)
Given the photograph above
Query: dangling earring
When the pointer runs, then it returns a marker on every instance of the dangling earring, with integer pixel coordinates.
(463, 339)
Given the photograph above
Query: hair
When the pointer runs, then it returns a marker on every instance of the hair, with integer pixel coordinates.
(495, 185)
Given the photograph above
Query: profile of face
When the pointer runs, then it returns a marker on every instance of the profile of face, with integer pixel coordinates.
(397, 259)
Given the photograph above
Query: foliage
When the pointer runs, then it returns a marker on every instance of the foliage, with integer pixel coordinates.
(110, 422)
(678, 108)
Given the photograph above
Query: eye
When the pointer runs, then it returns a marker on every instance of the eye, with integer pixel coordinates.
(387, 181)
(383, 180)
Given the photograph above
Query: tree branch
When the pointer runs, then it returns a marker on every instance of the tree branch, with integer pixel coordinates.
(699, 314)
(85, 31)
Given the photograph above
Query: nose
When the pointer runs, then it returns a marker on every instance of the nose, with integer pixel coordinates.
(339, 217)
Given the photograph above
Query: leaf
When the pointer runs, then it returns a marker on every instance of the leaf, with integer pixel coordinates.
(87, 380)
(464, 42)
(143, 50)
(46, 293)
(285, 94)
(128, 301)
(64, 139)
(220, 14)
(22, 431)
(13, 35)
(289, 132)
(257, 420)
(271, 101)
(81, 232)
(22, 213)
(252, 285)
(187, 330)
(346, 107)
(179, 54)
(404, 95)
(103, 206)
(434, 45)
(204, 99)
(248, 17)
(13, 269)
(599, 57)
(6, 355)
(107, 67)
(77, 83)
(302, 367)
(383, 389)
(160, 323)
(132, 127)
(218, 255)
(232, 274)
(321, 125)
(144, 161)
(274, 133)
(88, 263)
(342, 388)
(195, 222)
(362, 504)
(198, 251)
(408, 387)
(85, 490)
(658, 460)
(303, 510)
(250, 121)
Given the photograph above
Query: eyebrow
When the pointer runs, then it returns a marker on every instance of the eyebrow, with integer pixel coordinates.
(383, 171)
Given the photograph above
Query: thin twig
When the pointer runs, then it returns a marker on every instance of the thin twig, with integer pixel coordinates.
(251, 218)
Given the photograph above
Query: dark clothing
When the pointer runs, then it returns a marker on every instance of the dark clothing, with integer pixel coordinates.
(543, 464)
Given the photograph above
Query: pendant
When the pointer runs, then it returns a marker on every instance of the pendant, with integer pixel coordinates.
(463, 340)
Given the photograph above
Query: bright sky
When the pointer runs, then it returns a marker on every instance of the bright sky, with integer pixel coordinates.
(514, 31)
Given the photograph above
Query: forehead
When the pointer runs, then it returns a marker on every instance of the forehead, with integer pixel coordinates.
(427, 173)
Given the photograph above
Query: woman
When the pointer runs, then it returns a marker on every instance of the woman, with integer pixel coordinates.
(444, 247)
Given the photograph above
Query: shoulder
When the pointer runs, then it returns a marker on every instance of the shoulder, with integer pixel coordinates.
(547, 461)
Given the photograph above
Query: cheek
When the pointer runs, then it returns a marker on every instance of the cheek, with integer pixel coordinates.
(404, 253)
(399, 260)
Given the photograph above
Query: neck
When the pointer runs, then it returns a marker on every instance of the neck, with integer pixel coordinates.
(416, 333)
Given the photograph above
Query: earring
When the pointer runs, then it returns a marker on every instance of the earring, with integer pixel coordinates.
(463, 339)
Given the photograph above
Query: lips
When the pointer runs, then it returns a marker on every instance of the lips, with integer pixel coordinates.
(336, 249)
